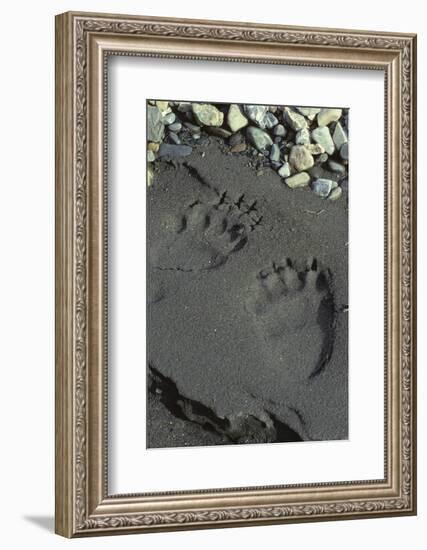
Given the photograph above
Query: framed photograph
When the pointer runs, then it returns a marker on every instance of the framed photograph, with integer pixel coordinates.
(235, 274)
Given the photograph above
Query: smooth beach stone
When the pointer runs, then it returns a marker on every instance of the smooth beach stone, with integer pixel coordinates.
(270, 121)
(335, 194)
(163, 106)
(220, 132)
(192, 127)
(260, 139)
(344, 151)
(174, 151)
(285, 170)
(256, 113)
(300, 158)
(184, 107)
(322, 136)
(314, 148)
(322, 187)
(153, 146)
(326, 116)
(235, 118)
(295, 120)
(151, 157)
(235, 139)
(323, 157)
(169, 118)
(150, 176)
(175, 127)
(174, 138)
(155, 126)
(339, 136)
(275, 153)
(238, 148)
(279, 130)
(336, 167)
(309, 112)
(207, 115)
(302, 137)
(298, 180)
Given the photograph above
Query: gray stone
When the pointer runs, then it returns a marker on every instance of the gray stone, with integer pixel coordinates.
(175, 127)
(323, 157)
(339, 136)
(184, 107)
(155, 126)
(299, 180)
(235, 139)
(169, 118)
(344, 151)
(335, 194)
(151, 157)
(220, 132)
(256, 113)
(192, 127)
(207, 115)
(275, 153)
(285, 170)
(235, 118)
(270, 121)
(295, 120)
(336, 167)
(174, 138)
(280, 130)
(174, 151)
(300, 158)
(302, 137)
(309, 112)
(322, 187)
(322, 136)
(326, 116)
(260, 139)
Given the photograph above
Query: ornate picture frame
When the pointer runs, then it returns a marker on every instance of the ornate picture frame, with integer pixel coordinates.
(83, 43)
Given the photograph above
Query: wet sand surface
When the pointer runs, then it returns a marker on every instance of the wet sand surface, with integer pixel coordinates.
(247, 306)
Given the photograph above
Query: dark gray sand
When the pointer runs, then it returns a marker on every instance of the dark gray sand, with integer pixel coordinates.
(247, 306)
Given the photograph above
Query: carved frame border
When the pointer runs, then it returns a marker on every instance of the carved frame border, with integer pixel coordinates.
(83, 41)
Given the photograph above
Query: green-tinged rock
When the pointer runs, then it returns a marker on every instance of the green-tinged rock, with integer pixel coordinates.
(322, 136)
(257, 114)
(235, 118)
(339, 136)
(259, 139)
(207, 115)
(285, 170)
(298, 180)
(300, 158)
(322, 187)
(155, 126)
(302, 137)
(326, 116)
(314, 148)
(163, 106)
(150, 176)
(344, 151)
(153, 146)
(336, 167)
(309, 112)
(295, 120)
(335, 194)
